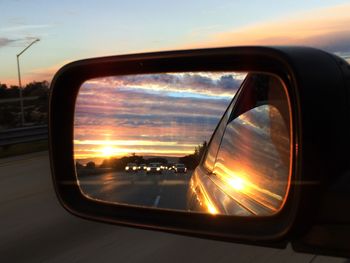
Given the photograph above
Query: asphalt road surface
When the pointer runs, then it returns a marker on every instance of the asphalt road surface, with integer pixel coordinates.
(165, 190)
(35, 228)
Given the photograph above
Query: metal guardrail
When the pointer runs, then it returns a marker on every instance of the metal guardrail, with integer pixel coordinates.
(22, 135)
(10, 100)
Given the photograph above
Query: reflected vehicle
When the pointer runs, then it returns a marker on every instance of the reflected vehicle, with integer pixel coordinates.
(143, 167)
(180, 168)
(154, 168)
(246, 169)
(131, 167)
(171, 167)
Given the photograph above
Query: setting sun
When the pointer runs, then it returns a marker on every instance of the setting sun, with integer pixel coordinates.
(107, 151)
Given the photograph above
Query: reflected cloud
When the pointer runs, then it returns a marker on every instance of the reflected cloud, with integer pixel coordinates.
(152, 114)
(194, 84)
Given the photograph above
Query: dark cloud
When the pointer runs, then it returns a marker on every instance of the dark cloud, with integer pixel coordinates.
(135, 102)
(203, 83)
(134, 108)
(336, 42)
(163, 120)
(6, 41)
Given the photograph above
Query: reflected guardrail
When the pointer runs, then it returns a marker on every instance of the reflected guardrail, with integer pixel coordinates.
(23, 135)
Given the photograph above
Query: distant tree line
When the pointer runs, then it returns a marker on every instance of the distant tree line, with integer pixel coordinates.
(35, 110)
(190, 161)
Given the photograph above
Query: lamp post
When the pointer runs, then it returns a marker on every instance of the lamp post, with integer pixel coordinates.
(19, 79)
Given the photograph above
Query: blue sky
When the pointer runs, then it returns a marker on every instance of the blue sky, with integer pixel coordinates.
(71, 30)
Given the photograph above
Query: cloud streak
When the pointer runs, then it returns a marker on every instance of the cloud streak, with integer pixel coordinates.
(211, 84)
(24, 27)
(149, 114)
(4, 41)
(326, 28)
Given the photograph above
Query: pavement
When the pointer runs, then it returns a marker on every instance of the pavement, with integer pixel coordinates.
(166, 190)
(35, 228)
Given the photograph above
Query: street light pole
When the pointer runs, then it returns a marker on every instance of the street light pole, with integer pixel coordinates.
(20, 82)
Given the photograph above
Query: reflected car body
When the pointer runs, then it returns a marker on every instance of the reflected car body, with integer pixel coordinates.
(246, 169)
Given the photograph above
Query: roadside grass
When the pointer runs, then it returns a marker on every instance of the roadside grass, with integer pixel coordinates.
(23, 148)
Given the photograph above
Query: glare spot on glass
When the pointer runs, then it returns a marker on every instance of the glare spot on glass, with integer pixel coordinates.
(237, 183)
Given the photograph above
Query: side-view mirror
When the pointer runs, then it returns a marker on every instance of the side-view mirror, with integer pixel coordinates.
(242, 144)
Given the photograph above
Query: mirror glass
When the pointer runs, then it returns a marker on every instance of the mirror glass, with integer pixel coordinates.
(139, 140)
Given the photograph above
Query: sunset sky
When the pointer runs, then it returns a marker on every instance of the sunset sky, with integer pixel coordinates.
(150, 115)
(71, 30)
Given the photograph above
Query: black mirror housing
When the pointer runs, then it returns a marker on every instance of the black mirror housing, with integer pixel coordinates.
(319, 92)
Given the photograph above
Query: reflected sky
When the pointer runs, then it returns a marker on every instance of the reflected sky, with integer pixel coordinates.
(153, 114)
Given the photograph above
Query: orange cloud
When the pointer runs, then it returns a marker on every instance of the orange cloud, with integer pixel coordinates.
(38, 74)
(326, 28)
(45, 73)
(138, 114)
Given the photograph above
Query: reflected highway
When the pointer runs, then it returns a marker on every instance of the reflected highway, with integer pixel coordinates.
(165, 190)
(35, 228)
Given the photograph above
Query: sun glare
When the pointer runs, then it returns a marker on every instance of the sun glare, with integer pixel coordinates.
(107, 151)
(237, 184)
(211, 209)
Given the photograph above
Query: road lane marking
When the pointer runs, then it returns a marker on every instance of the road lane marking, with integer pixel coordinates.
(156, 201)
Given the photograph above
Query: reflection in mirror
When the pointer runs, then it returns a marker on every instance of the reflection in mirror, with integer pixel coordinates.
(249, 167)
(251, 174)
(139, 139)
